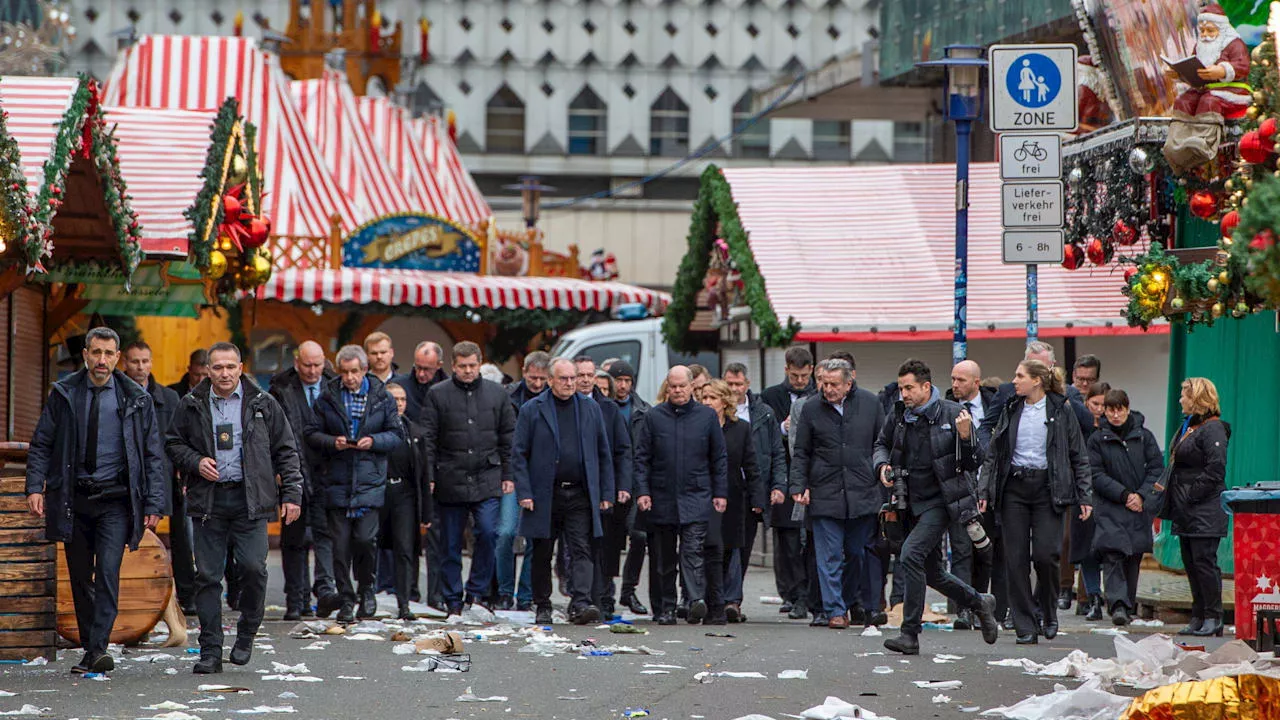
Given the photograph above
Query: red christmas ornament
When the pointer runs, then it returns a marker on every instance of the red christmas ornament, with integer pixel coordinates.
(1252, 148)
(1072, 256)
(1203, 204)
(1263, 240)
(1123, 233)
(1229, 223)
(230, 208)
(259, 229)
(1099, 252)
(1267, 130)
(1128, 274)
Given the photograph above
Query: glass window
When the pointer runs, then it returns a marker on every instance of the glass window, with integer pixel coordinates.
(910, 142)
(754, 141)
(628, 350)
(831, 140)
(504, 117)
(669, 125)
(587, 114)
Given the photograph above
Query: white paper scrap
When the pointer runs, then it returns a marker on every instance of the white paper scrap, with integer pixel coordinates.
(793, 675)
(299, 669)
(469, 696)
(289, 677)
(882, 670)
(166, 705)
(938, 684)
(941, 699)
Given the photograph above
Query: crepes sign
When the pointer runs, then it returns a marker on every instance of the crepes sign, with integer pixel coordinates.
(413, 241)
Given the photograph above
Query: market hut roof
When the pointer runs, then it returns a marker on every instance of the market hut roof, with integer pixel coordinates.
(867, 253)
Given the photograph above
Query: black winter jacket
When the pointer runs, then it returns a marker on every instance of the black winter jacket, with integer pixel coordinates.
(520, 394)
(680, 463)
(833, 454)
(1070, 479)
(415, 392)
(619, 443)
(166, 404)
(1123, 465)
(771, 451)
(55, 452)
(954, 460)
(408, 463)
(268, 451)
(1194, 503)
(468, 428)
(287, 389)
(746, 487)
(354, 478)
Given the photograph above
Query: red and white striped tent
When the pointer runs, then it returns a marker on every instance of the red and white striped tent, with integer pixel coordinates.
(398, 138)
(460, 189)
(198, 73)
(162, 154)
(36, 106)
(874, 260)
(331, 116)
(415, 288)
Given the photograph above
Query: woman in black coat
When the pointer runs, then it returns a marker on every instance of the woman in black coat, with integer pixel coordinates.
(1127, 464)
(1194, 504)
(727, 531)
(1081, 532)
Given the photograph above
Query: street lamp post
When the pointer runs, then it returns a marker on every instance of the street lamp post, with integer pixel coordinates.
(963, 68)
(530, 188)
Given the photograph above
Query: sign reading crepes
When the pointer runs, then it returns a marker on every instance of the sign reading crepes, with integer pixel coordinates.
(413, 241)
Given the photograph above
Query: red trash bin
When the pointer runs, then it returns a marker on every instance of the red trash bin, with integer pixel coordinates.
(1257, 553)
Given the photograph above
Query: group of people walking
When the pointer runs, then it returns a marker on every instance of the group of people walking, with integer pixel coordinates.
(369, 470)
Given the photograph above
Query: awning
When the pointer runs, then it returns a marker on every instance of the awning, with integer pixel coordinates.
(363, 286)
(867, 253)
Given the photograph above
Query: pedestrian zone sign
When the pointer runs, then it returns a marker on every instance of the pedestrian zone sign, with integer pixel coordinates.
(1033, 87)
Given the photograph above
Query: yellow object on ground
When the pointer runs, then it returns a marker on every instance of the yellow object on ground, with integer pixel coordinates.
(1244, 697)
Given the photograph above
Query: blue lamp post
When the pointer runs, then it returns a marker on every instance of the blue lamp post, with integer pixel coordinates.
(963, 66)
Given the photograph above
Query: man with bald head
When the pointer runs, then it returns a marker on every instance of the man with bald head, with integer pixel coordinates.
(297, 389)
(681, 480)
(427, 370)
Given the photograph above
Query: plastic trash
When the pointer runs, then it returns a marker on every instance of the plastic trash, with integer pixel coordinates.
(1087, 702)
(655, 672)
(299, 669)
(635, 713)
(871, 631)
(166, 705)
(754, 716)
(193, 651)
(882, 670)
(29, 709)
(594, 652)
(98, 677)
(941, 699)
(627, 629)
(6, 693)
(222, 689)
(287, 695)
(834, 708)
(793, 675)
(33, 662)
(266, 710)
(351, 677)
(173, 715)
(664, 667)
(938, 684)
(290, 677)
(770, 600)
(706, 677)
(469, 696)
(171, 671)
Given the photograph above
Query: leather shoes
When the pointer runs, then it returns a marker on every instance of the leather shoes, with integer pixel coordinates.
(404, 613)
(633, 604)
(1028, 639)
(1192, 627)
(962, 621)
(697, 611)
(732, 612)
(208, 665)
(326, 604)
(667, 618)
(877, 618)
(293, 614)
(986, 616)
(1212, 627)
(857, 616)
(797, 612)
(506, 602)
(368, 604)
(1120, 616)
(543, 616)
(82, 667)
(241, 652)
(819, 620)
(346, 615)
(103, 663)
(904, 643)
(838, 622)
(682, 611)
(1050, 631)
(1008, 623)
(586, 615)
(785, 607)
(1064, 599)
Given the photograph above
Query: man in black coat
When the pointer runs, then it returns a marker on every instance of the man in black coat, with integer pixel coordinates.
(427, 371)
(297, 390)
(197, 371)
(354, 428)
(468, 424)
(180, 531)
(96, 473)
(408, 506)
(516, 589)
(230, 441)
(789, 566)
(934, 443)
(831, 475)
(631, 408)
(681, 468)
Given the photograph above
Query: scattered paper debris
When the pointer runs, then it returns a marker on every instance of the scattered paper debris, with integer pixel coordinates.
(664, 667)
(835, 708)
(1147, 623)
(171, 671)
(793, 675)
(938, 684)
(265, 710)
(299, 669)
(317, 645)
(36, 661)
(770, 600)
(882, 670)
(351, 677)
(941, 699)
(655, 672)
(706, 677)
(154, 658)
(290, 677)
(947, 658)
(871, 631)
(287, 695)
(222, 689)
(1086, 702)
(6, 693)
(173, 715)
(166, 705)
(754, 716)
(469, 696)
(366, 636)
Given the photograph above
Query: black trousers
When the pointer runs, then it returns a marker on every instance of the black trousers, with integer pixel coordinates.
(571, 523)
(180, 552)
(922, 564)
(714, 559)
(988, 572)
(99, 533)
(963, 558)
(293, 560)
(321, 546)
(638, 542)
(355, 547)
(1120, 580)
(400, 520)
(608, 552)
(435, 551)
(228, 519)
(1200, 558)
(814, 584)
(1032, 531)
(788, 565)
(676, 549)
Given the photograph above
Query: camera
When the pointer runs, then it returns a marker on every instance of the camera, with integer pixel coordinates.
(898, 498)
(978, 535)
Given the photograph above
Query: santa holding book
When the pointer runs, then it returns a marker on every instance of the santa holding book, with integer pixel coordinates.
(1221, 88)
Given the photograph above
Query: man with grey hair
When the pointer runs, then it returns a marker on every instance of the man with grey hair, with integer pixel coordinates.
(96, 473)
(831, 475)
(427, 370)
(354, 428)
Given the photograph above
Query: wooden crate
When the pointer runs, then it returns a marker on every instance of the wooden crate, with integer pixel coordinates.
(28, 577)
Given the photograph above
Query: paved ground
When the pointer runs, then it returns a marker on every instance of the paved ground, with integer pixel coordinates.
(568, 687)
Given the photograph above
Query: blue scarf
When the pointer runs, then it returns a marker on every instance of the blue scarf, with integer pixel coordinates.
(913, 414)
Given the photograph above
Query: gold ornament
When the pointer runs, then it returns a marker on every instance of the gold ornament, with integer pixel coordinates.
(262, 267)
(1252, 113)
(217, 265)
(1216, 310)
(224, 243)
(1227, 242)
(239, 170)
(1248, 184)
(1230, 184)
(1212, 284)
(1224, 278)
(1259, 97)
(1177, 303)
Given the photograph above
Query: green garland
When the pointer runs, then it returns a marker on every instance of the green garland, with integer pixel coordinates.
(84, 121)
(715, 202)
(1159, 274)
(17, 211)
(202, 225)
(1254, 262)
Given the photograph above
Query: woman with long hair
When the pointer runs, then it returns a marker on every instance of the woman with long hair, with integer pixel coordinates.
(1082, 531)
(1038, 468)
(1198, 454)
(746, 495)
(1127, 464)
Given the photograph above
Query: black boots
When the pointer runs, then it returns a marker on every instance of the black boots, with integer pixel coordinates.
(1095, 608)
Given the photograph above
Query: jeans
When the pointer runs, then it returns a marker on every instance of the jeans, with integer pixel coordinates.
(355, 548)
(1091, 572)
(1122, 580)
(736, 561)
(1032, 531)
(1200, 558)
(508, 525)
(788, 566)
(672, 547)
(840, 548)
(571, 523)
(922, 563)
(453, 520)
(98, 537)
(228, 518)
(962, 557)
(180, 552)
(988, 572)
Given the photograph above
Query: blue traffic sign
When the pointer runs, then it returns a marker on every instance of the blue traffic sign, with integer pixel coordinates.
(1033, 80)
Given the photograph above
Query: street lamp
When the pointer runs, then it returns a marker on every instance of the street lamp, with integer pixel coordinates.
(530, 188)
(963, 66)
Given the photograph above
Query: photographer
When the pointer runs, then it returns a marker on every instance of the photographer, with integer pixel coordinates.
(923, 451)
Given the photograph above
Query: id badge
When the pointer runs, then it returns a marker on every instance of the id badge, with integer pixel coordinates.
(224, 434)
(797, 513)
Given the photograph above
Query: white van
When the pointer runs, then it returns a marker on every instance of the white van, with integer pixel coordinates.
(640, 343)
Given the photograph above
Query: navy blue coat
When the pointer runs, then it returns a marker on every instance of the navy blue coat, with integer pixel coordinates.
(619, 440)
(535, 452)
(681, 463)
(354, 478)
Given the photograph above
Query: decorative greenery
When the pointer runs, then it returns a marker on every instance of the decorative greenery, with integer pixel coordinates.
(715, 204)
(16, 210)
(1254, 262)
(83, 130)
(206, 213)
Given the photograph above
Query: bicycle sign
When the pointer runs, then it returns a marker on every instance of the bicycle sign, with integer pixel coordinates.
(1030, 157)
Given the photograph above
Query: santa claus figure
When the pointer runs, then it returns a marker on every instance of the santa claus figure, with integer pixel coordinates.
(1198, 112)
(1093, 110)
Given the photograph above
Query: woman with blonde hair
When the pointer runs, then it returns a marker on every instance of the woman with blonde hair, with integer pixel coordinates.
(1198, 460)
(1036, 469)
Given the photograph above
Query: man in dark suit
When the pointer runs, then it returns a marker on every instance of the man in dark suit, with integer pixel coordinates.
(789, 573)
(563, 469)
(631, 408)
(180, 530)
(427, 370)
(197, 370)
